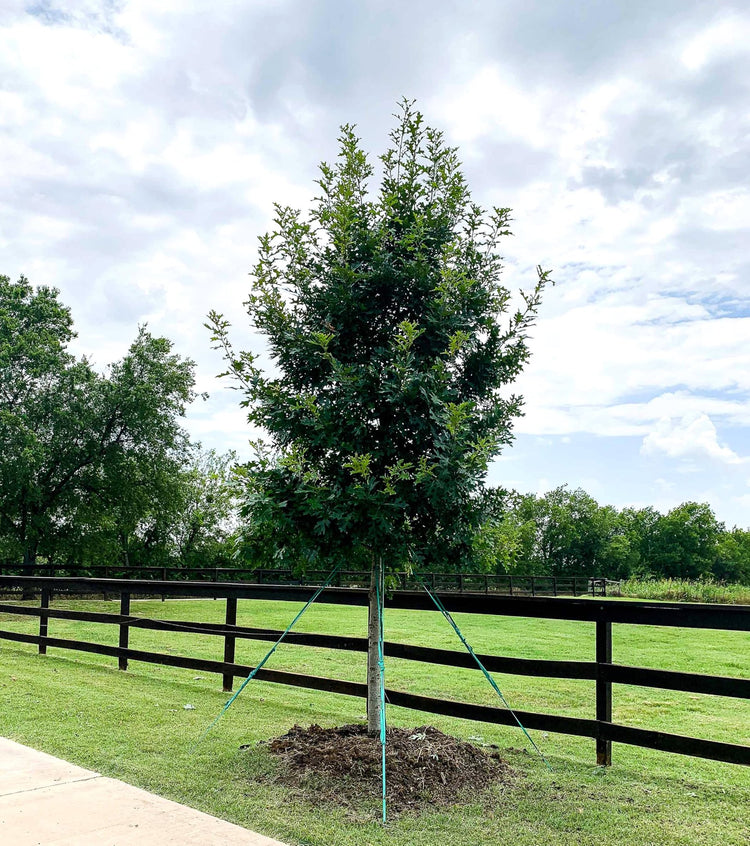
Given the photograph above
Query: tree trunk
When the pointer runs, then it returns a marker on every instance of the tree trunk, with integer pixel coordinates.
(29, 564)
(373, 636)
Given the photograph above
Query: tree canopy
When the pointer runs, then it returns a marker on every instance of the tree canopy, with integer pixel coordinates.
(393, 344)
(90, 462)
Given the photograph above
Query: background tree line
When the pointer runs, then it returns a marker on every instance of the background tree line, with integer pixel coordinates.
(566, 532)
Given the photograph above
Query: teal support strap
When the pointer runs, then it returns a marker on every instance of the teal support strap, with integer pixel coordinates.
(444, 611)
(271, 651)
(379, 584)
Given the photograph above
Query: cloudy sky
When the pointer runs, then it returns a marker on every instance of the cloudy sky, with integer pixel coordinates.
(143, 143)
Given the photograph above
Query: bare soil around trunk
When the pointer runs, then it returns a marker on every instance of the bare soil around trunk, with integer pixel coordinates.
(424, 767)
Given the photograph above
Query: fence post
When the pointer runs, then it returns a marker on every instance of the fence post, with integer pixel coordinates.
(43, 621)
(122, 660)
(461, 582)
(533, 586)
(510, 585)
(603, 690)
(229, 641)
(554, 585)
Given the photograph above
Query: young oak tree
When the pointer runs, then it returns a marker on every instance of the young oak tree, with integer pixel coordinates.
(392, 340)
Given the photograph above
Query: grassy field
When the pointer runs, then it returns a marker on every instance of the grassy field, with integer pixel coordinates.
(134, 726)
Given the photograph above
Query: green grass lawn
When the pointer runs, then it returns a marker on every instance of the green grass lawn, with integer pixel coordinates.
(133, 726)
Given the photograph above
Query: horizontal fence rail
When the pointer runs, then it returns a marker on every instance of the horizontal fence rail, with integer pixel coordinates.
(513, 585)
(602, 671)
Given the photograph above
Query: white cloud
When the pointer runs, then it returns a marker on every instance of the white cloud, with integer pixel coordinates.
(730, 34)
(479, 107)
(589, 361)
(692, 437)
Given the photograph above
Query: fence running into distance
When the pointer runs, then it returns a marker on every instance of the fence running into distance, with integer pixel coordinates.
(511, 584)
(604, 613)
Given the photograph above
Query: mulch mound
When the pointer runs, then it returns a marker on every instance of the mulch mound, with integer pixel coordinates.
(423, 766)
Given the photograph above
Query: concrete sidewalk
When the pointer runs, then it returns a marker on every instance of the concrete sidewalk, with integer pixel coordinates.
(47, 802)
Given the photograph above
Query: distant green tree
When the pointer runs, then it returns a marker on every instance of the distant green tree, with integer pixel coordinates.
(686, 542)
(614, 555)
(203, 533)
(617, 556)
(127, 520)
(34, 365)
(733, 556)
(176, 510)
(383, 320)
(639, 527)
(66, 430)
(506, 537)
(572, 532)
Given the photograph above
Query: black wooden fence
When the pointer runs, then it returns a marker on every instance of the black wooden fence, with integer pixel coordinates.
(511, 584)
(602, 671)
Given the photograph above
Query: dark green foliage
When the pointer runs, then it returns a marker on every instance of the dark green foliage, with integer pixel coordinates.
(686, 542)
(733, 558)
(94, 468)
(392, 342)
(202, 531)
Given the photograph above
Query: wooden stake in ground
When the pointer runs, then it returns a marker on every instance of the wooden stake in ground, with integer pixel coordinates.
(373, 636)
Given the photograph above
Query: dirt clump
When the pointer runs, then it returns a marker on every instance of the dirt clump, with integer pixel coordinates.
(423, 766)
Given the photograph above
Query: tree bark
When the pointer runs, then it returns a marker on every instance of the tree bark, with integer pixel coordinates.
(373, 636)
(29, 563)
(29, 560)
